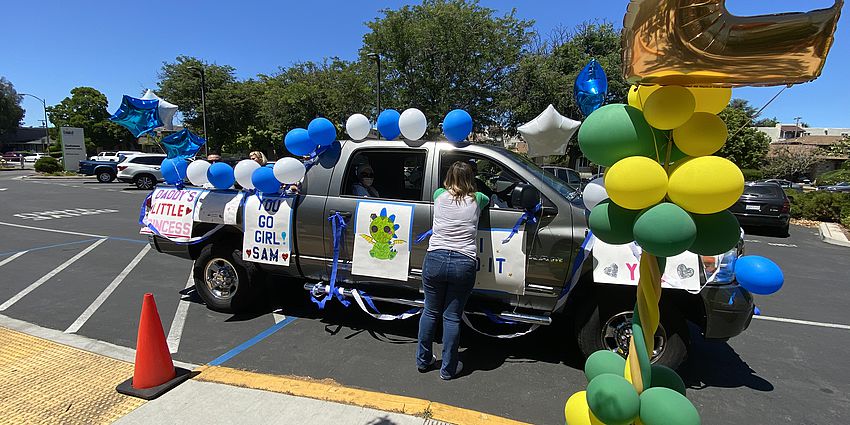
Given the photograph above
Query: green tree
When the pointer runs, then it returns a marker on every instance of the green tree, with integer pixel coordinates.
(86, 109)
(446, 54)
(766, 122)
(11, 112)
(785, 164)
(745, 146)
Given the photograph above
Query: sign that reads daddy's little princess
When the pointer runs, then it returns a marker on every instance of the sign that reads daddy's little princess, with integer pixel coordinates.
(268, 228)
(171, 213)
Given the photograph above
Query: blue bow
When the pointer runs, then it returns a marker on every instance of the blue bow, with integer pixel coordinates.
(338, 228)
(527, 216)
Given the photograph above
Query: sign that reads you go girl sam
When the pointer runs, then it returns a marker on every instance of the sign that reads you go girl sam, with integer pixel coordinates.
(171, 213)
(268, 230)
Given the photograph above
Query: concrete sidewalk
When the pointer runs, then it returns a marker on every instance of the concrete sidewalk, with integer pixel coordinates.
(196, 402)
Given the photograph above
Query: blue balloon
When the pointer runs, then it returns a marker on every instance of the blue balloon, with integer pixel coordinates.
(322, 131)
(758, 275)
(173, 170)
(265, 181)
(183, 143)
(388, 124)
(591, 87)
(298, 142)
(457, 125)
(221, 175)
(140, 116)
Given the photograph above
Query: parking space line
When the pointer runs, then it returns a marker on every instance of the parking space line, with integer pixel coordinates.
(39, 248)
(107, 292)
(47, 277)
(176, 330)
(804, 322)
(12, 258)
(247, 344)
(67, 232)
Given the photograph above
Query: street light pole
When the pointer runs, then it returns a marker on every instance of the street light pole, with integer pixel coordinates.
(797, 129)
(44, 105)
(377, 58)
(203, 106)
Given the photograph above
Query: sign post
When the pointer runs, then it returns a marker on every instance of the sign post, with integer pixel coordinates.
(73, 147)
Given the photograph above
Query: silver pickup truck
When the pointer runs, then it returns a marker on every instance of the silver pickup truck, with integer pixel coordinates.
(409, 172)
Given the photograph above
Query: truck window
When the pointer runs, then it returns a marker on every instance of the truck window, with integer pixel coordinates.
(492, 179)
(393, 174)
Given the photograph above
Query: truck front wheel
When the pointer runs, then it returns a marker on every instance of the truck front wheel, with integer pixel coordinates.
(223, 280)
(608, 327)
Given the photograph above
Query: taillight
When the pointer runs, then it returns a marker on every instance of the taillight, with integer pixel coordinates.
(786, 207)
(122, 167)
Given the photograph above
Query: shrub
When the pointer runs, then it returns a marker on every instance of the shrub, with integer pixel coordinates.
(48, 164)
(820, 206)
(751, 174)
(845, 165)
(846, 221)
(833, 177)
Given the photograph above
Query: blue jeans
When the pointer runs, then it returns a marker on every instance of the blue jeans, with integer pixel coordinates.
(447, 278)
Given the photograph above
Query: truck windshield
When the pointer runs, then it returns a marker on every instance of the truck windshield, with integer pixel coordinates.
(550, 180)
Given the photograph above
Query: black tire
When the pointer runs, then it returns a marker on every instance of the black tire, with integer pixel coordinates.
(105, 176)
(145, 181)
(223, 280)
(612, 318)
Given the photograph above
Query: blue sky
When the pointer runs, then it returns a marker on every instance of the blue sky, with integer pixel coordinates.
(53, 46)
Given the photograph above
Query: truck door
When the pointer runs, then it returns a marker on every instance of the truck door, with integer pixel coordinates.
(384, 185)
(497, 269)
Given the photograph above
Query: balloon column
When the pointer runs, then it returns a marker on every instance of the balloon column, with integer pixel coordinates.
(667, 193)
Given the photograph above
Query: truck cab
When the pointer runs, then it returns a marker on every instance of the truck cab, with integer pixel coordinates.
(551, 278)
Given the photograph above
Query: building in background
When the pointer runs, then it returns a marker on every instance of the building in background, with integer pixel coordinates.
(24, 139)
(782, 132)
(813, 144)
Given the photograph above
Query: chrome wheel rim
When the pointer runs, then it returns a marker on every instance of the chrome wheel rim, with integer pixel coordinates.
(617, 332)
(221, 278)
(146, 182)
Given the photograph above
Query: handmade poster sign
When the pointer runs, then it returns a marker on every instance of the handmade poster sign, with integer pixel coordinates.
(383, 232)
(268, 230)
(501, 266)
(618, 264)
(172, 213)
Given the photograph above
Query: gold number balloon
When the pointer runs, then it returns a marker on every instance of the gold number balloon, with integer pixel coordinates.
(699, 42)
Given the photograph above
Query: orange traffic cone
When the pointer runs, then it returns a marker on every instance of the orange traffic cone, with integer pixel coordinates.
(154, 373)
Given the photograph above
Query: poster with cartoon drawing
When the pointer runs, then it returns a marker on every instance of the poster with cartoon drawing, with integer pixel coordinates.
(382, 238)
(268, 230)
(619, 264)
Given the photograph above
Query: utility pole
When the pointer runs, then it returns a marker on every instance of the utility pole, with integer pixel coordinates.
(46, 130)
(200, 70)
(797, 131)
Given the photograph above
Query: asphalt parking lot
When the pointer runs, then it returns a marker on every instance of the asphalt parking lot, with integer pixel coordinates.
(71, 259)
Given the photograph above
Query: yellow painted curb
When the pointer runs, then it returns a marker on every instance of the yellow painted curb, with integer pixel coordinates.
(329, 390)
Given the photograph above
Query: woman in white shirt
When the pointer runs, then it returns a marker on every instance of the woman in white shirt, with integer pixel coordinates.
(448, 273)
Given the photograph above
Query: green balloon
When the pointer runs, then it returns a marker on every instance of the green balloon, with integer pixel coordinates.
(716, 233)
(614, 132)
(663, 406)
(665, 230)
(663, 376)
(612, 399)
(612, 223)
(604, 361)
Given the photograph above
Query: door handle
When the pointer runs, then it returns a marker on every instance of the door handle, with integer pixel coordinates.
(345, 214)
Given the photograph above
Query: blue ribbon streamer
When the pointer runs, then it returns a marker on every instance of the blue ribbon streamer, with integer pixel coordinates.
(371, 304)
(422, 236)
(576, 268)
(338, 228)
(527, 216)
(496, 319)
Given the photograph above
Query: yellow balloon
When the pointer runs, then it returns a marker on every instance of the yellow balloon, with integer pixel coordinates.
(711, 100)
(638, 95)
(705, 185)
(703, 134)
(577, 412)
(636, 182)
(669, 107)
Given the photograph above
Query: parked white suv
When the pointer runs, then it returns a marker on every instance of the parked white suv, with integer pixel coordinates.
(34, 157)
(141, 170)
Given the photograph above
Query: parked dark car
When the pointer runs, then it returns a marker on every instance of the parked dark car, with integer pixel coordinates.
(763, 204)
(567, 175)
(838, 187)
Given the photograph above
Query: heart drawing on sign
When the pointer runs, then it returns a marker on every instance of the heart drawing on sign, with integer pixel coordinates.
(611, 270)
(284, 255)
(248, 252)
(684, 271)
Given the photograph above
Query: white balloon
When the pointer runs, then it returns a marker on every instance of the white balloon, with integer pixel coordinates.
(289, 170)
(548, 133)
(164, 109)
(594, 193)
(412, 124)
(197, 172)
(243, 171)
(358, 126)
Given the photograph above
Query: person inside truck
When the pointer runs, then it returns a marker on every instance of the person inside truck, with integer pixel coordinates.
(259, 158)
(448, 272)
(364, 184)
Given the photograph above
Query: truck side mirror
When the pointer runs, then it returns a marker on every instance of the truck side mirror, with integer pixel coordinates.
(525, 196)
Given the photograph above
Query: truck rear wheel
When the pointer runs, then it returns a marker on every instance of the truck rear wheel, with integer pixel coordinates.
(608, 327)
(223, 280)
(105, 176)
